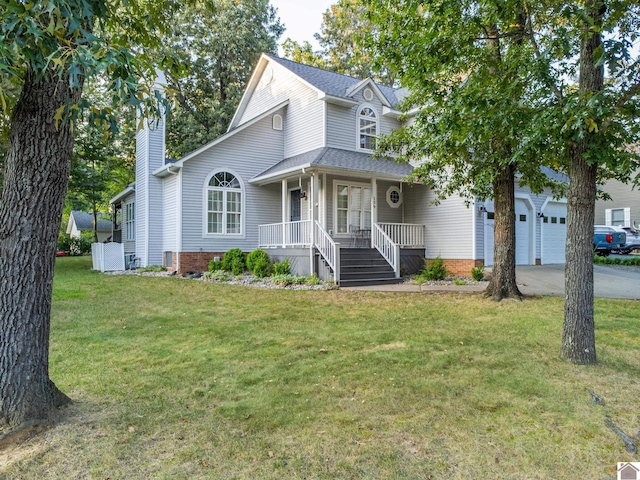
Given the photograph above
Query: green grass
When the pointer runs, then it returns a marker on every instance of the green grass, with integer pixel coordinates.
(176, 378)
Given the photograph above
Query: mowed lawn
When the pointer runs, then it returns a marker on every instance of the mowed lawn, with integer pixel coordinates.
(175, 378)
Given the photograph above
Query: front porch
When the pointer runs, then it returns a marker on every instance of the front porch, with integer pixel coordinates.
(326, 254)
(333, 199)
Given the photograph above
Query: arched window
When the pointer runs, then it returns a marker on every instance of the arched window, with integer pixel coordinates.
(367, 128)
(224, 205)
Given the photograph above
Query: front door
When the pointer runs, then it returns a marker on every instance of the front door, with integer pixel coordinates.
(295, 207)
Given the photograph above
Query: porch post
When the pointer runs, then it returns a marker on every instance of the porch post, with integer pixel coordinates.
(314, 217)
(374, 206)
(284, 212)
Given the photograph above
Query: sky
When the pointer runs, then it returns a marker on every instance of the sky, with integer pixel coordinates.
(302, 18)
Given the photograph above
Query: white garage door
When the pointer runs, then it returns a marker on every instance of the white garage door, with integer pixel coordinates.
(554, 233)
(523, 233)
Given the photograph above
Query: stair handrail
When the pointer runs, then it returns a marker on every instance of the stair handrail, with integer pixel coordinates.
(329, 250)
(387, 248)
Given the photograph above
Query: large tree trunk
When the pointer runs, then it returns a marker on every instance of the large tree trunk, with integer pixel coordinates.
(37, 173)
(578, 335)
(503, 273)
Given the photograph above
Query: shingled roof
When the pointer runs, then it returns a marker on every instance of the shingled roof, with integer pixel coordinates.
(84, 221)
(332, 83)
(336, 158)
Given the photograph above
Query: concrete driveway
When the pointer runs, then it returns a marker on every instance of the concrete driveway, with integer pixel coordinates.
(609, 281)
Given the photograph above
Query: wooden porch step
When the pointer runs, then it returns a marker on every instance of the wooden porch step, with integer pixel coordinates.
(370, 281)
(364, 266)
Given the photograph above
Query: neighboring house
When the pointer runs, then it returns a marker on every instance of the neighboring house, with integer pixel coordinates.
(80, 222)
(624, 207)
(294, 175)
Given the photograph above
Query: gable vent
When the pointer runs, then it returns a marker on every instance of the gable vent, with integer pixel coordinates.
(368, 94)
(277, 122)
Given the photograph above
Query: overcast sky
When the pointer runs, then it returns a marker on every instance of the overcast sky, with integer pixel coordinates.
(302, 18)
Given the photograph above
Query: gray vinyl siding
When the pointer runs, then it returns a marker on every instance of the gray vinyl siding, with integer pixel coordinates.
(246, 154)
(342, 123)
(142, 181)
(341, 127)
(622, 196)
(387, 214)
(170, 214)
(149, 157)
(449, 225)
(303, 123)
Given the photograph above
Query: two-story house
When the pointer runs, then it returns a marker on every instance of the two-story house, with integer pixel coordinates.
(294, 175)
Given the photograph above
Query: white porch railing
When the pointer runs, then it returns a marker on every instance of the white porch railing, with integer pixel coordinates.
(387, 238)
(288, 234)
(405, 235)
(387, 248)
(329, 250)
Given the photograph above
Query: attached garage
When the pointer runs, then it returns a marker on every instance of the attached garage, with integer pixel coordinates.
(553, 233)
(525, 229)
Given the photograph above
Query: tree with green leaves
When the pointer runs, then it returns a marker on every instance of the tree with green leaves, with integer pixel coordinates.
(468, 73)
(598, 124)
(48, 49)
(103, 163)
(220, 42)
(495, 90)
(343, 45)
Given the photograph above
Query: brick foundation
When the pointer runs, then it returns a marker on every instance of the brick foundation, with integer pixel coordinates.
(460, 267)
(196, 261)
(174, 262)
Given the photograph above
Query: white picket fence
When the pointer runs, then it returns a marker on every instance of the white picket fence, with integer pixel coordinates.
(107, 257)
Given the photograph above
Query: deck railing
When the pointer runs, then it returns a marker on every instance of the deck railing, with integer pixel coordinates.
(288, 234)
(387, 248)
(405, 235)
(329, 250)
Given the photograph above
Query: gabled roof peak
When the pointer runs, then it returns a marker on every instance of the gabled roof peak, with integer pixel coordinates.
(335, 84)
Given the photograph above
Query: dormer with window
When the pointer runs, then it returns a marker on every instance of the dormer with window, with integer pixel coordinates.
(367, 127)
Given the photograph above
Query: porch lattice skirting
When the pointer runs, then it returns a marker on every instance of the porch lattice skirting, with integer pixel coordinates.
(107, 257)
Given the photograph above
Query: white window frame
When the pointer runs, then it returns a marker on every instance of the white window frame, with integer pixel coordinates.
(349, 184)
(130, 221)
(359, 118)
(626, 216)
(225, 190)
(394, 190)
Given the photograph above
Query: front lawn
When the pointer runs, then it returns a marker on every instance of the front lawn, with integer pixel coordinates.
(176, 378)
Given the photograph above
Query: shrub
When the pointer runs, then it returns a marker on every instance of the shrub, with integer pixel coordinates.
(629, 261)
(258, 255)
(460, 281)
(433, 269)
(477, 273)
(217, 275)
(312, 280)
(282, 268)
(261, 267)
(285, 280)
(152, 268)
(237, 266)
(74, 246)
(215, 265)
(235, 255)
